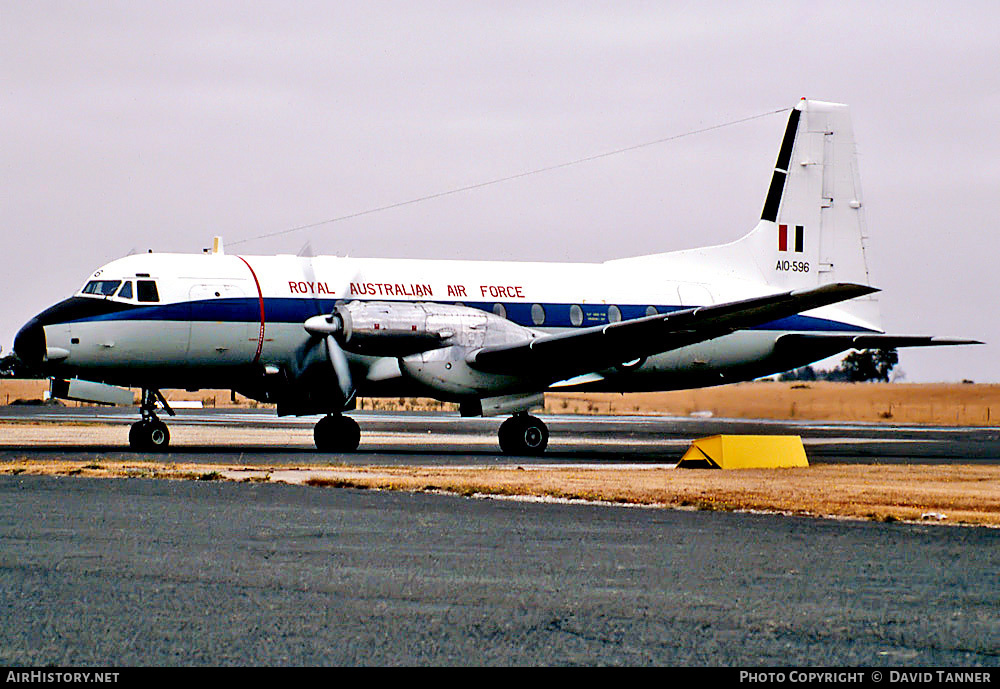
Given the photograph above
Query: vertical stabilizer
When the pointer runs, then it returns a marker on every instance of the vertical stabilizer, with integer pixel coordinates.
(812, 230)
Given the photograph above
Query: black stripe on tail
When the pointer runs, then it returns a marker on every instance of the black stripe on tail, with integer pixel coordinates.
(773, 200)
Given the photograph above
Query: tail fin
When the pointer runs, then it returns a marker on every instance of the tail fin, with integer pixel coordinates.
(812, 230)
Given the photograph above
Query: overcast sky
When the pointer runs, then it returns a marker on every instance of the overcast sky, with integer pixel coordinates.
(133, 125)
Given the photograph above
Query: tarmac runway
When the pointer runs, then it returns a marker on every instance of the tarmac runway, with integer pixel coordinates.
(436, 438)
(140, 572)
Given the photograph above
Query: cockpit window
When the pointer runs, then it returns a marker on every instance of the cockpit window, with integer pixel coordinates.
(126, 291)
(146, 290)
(103, 288)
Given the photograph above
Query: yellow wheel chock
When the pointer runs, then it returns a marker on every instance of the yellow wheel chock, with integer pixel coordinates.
(745, 452)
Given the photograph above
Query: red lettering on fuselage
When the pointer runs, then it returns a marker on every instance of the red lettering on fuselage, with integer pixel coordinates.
(399, 289)
(303, 287)
(502, 291)
(390, 289)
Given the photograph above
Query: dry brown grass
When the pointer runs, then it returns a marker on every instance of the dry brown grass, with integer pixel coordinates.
(938, 404)
(952, 494)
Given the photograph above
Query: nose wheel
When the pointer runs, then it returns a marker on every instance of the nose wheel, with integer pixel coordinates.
(337, 433)
(149, 433)
(522, 434)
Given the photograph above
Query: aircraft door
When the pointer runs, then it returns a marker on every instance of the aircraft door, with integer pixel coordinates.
(222, 318)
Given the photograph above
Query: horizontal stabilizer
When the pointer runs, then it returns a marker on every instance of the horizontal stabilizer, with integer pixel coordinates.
(871, 341)
(558, 357)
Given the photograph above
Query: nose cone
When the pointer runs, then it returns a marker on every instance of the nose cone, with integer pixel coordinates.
(29, 344)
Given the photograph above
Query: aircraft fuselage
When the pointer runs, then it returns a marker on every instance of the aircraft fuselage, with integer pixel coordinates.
(220, 320)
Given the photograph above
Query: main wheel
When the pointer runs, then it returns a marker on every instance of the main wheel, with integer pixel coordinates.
(149, 434)
(523, 435)
(337, 433)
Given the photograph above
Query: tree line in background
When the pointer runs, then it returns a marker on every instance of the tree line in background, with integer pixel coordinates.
(868, 365)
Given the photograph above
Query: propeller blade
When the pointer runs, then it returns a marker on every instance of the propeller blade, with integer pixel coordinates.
(338, 360)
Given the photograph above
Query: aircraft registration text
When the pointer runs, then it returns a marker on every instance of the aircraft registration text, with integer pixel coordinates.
(792, 266)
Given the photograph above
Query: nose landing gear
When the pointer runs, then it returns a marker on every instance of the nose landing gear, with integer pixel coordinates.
(150, 433)
(523, 434)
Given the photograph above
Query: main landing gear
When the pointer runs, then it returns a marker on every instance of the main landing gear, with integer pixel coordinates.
(337, 433)
(523, 434)
(519, 435)
(149, 433)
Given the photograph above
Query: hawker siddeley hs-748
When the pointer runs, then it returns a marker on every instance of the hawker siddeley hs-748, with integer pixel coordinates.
(311, 334)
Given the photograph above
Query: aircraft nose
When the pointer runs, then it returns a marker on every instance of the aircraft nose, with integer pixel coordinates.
(29, 343)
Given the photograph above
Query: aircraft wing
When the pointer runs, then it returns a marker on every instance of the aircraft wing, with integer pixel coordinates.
(557, 357)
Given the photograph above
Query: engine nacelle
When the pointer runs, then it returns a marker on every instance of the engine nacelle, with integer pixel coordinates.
(388, 329)
(431, 342)
(399, 329)
(446, 369)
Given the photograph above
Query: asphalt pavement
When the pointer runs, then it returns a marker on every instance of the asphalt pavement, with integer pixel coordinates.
(139, 572)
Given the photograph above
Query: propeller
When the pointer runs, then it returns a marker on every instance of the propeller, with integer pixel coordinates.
(322, 355)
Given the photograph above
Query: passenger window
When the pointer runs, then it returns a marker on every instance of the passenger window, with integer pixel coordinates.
(575, 315)
(146, 291)
(614, 314)
(104, 288)
(500, 310)
(537, 314)
(126, 291)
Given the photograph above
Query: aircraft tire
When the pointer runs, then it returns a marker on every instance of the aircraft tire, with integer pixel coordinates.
(337, 433)
(149, 435)
(523, 435)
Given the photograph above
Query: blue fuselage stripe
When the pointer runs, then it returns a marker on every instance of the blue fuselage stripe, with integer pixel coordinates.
(297, 310)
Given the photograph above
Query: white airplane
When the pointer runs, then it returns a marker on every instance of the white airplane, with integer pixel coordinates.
(311, 334)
